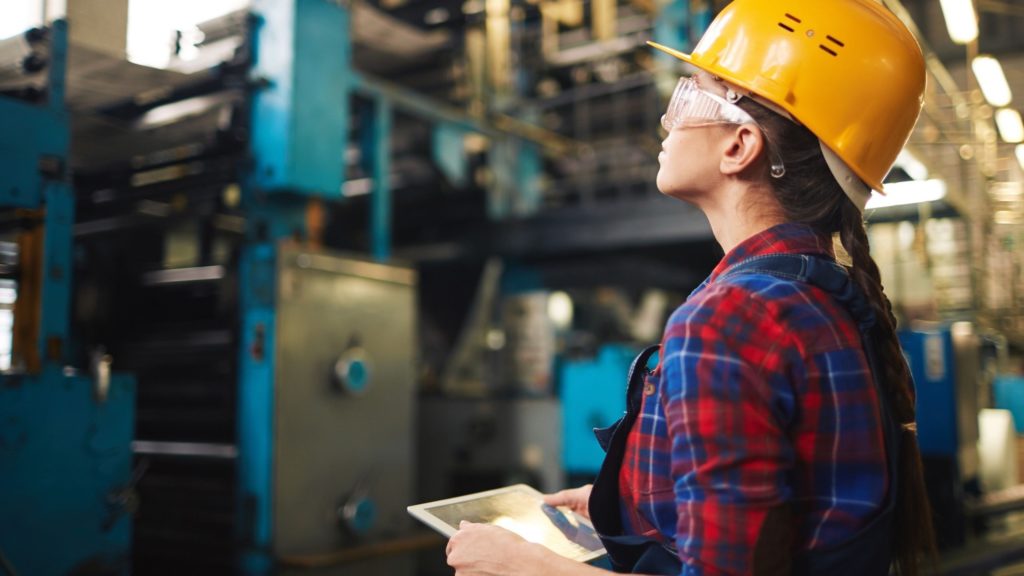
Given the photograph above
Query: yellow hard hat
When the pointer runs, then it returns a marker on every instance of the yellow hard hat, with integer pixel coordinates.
(848, 70)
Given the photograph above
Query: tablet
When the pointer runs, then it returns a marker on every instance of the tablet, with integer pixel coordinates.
(520, 509)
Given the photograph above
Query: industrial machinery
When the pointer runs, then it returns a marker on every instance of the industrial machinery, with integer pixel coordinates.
(327, 451)
(67, 490)
(276, 376)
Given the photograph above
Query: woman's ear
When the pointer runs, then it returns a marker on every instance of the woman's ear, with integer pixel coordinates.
(745, 144)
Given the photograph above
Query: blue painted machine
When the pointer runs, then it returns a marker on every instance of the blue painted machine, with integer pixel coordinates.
(944, 361)
(930, 355)
(593, 395)
(66, 492)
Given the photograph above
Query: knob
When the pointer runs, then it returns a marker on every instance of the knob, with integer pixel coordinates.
(358, 515)
(352, 372)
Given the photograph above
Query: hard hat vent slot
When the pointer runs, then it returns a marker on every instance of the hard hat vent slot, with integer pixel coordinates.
(838, 44)
(785, 26)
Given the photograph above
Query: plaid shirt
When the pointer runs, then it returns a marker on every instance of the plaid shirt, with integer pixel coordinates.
(763, 397)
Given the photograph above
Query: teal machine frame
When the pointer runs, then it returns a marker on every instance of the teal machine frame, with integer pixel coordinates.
(65, 437)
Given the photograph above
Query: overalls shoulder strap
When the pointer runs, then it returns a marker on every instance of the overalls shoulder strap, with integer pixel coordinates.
(818, 271)
(869, 551)
(626, 552)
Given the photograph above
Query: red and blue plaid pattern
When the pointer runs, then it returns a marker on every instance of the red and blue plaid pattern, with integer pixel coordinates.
(763, 397)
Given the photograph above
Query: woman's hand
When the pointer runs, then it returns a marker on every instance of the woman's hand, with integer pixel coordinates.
(575, 498)
(486, 550)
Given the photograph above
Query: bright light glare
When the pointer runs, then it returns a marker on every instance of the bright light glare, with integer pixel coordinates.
(528, 532)
(961, 21)
(912, 192)
(560, 310)
(152, 25)
(991, 80)
(20, 16)
(1019, 151)
(1010, 126)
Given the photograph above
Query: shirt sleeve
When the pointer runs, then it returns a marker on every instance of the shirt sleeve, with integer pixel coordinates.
(727, 400)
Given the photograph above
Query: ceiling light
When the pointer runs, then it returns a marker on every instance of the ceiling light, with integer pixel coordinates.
(912, 192)
(991, 80)
(1010, 126)
(961, 21)
(1006, 217)
(1020, 155)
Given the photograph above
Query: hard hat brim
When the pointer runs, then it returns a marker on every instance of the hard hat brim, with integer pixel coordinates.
(673, 52)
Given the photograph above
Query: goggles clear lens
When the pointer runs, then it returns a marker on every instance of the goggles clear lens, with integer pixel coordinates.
(692, 106)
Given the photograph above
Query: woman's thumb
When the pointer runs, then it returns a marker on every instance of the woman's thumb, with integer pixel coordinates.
(556, 499)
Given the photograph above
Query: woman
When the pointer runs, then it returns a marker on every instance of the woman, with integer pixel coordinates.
(777, 434)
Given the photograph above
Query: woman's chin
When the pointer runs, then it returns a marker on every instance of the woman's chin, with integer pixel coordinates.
(664, 186)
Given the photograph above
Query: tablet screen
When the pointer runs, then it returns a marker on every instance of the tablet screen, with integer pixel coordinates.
(519, 509)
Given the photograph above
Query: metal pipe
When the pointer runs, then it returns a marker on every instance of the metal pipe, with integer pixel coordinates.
(500, 124)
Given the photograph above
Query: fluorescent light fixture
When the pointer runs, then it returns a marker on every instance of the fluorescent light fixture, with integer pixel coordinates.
(1019, 151)
(1006, 191)
(1010, 126)
(961, 21)
(911, 165)
(992, 81)
(1006, 217)
(912, 192)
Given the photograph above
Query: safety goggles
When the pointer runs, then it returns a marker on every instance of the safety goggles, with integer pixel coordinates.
(691, 106)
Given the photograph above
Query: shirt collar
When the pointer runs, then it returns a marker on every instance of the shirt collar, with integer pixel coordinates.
(788, 238)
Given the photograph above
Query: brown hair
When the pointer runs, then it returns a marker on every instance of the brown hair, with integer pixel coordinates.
(808, 193)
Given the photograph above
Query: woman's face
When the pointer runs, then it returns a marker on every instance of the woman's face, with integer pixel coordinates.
(690, 156)
(688, 162)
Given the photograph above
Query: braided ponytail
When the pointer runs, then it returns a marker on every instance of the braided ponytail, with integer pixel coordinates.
(914, 535)
(808, 193)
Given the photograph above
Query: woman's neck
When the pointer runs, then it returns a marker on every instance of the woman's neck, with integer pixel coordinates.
(742, 213)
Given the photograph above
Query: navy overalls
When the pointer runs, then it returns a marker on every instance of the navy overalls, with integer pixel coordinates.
(868, 553)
